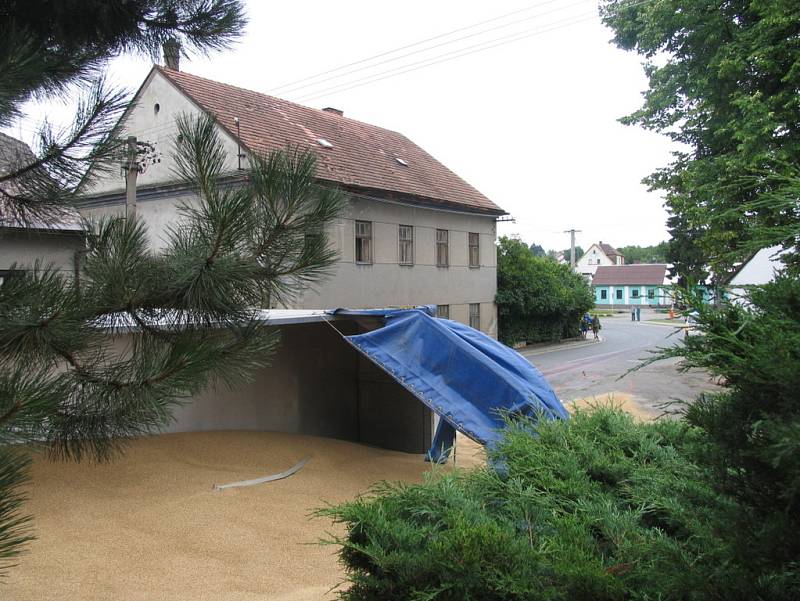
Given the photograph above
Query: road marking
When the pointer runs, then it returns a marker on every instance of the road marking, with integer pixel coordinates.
(567, 365)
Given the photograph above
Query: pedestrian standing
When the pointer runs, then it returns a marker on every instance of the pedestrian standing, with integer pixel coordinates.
(596, 327)
(584, 327)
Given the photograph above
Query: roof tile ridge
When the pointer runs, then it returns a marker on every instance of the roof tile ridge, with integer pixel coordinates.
(171, 73)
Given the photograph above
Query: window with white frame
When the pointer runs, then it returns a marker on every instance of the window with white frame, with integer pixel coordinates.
(475, 315)
(406, 239)
(442, 248)
(443, 311)
(474, 249)
(363, 242)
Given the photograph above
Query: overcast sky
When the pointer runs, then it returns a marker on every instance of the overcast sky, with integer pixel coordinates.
(532, 124)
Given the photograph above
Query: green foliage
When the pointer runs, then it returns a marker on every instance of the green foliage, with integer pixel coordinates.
(566, 253)
(60, 50)
(754, 426)
(46, 46)
(596, 507)
(537, 298)
(723, 82)
(86, 364)
(13, 525)
(537, 250)
(645, 254)
(63, 384)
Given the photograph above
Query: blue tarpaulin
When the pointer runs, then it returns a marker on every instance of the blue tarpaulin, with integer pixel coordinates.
(466, 377)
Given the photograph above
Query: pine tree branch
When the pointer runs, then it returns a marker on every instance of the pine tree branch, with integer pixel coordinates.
(15, 407)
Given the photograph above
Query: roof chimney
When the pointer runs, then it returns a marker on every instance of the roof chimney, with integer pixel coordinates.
(172, 54)
(330, 109)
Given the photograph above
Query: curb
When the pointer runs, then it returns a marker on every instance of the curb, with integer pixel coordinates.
(678, 326)
(558, 347)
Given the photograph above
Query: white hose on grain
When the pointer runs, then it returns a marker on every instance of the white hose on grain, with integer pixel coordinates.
(279, 476)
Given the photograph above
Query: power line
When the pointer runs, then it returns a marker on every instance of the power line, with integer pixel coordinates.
(439, 59)
(435, 59)
(431, 39)
(427, 48)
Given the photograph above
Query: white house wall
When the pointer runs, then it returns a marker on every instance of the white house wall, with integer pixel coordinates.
(157, 127)
(594, 254)
(760, 269)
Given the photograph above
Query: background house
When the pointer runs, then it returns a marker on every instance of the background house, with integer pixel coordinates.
(413, 232)
(597, 255)
(631, 285)
(759, 269)
(23, 243)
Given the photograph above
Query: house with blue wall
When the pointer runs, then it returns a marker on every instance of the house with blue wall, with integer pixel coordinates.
(626, 286)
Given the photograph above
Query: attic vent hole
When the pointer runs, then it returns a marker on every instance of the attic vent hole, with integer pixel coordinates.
(324, 143)
(401, 161)
(156, 108)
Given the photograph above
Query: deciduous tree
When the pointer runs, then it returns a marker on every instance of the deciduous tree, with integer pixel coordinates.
(538, 299)
(724, 84)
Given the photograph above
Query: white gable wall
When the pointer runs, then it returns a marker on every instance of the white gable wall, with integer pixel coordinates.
(591, 260)
(758, 270)
(157, 127)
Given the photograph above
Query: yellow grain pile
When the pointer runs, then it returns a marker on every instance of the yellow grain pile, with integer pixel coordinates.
(149, 526)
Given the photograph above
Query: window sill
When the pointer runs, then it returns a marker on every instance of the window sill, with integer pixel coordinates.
(363, 263)
(406, 264)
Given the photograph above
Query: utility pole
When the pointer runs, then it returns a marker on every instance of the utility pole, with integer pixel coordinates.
(572, 233)
(136, 156)
(131, 169)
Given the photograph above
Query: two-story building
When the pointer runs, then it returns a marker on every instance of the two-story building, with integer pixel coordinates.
(595, 256)
(413, 232)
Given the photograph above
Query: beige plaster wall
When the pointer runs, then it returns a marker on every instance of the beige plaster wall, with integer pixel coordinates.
(24, 247)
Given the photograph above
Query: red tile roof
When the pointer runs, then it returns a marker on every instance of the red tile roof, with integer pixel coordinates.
(619, 275)
(609, 250)
(362, 156)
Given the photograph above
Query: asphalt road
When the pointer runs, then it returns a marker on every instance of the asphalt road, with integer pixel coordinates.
(593, 370)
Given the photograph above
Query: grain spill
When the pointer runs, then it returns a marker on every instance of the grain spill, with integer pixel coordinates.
(620, 400)
(149, 526)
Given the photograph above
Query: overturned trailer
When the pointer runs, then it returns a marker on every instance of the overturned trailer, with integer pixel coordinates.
(400, 379)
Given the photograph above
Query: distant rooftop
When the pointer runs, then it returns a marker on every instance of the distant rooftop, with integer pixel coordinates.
(643, 274)
(609, 250)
